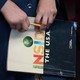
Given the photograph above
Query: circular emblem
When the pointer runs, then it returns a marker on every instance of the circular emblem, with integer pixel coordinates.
(28, 41)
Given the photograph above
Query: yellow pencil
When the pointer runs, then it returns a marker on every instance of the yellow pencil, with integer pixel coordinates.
(38, 25)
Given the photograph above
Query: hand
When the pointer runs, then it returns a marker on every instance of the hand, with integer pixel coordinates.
(17, 18)
(46, 12)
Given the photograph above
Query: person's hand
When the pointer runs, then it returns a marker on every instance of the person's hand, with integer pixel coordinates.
(17, 18)
(46, 12)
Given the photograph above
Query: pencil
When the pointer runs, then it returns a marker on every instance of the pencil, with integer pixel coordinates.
(38, 25)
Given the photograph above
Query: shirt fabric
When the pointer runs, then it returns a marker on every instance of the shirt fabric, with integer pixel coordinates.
(2, 2)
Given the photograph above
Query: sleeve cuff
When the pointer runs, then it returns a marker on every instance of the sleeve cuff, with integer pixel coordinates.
(2, 2)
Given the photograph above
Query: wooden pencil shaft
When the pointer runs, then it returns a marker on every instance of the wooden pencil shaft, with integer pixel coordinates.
(35, 24)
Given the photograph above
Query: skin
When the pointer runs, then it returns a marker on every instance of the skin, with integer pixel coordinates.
(46, 12)
(18, 19)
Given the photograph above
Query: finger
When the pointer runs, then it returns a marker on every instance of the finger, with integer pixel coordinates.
(44, 22)
(25, 25)
(28, 22)
(45, 19)
(18, 26)
(37, 28)
(38, 18)
(51, 19)
(21, 30)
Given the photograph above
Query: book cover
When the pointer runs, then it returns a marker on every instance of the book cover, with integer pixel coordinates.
(51, 51)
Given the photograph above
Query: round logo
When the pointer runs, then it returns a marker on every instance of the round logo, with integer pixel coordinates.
(28, 41)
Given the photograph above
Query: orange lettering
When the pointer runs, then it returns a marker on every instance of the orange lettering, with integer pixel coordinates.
(39, 35)
(37, 61)
(39, 49)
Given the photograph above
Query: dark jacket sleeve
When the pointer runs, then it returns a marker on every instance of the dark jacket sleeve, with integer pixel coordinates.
(2, 2)
(20, 3)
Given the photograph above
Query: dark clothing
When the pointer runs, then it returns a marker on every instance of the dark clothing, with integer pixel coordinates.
(2, 2)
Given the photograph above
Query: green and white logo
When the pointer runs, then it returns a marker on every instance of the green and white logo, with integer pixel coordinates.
(28, 41)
